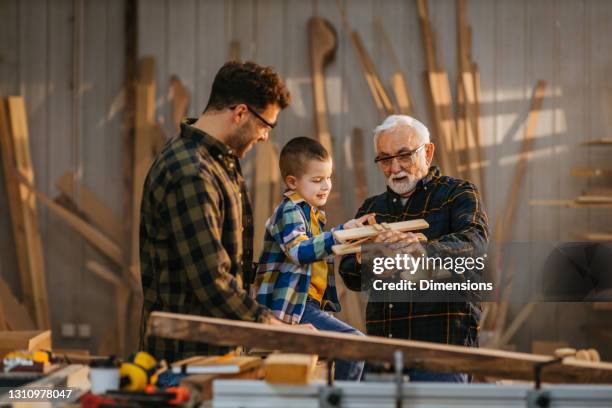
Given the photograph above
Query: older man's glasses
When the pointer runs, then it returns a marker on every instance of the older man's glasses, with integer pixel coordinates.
(404, 158)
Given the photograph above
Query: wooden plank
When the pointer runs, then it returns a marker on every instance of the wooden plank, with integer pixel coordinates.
(23, 167)
(144, 140)
(15, 207)
(90, 233)
(469, 123)
(93, 207)
(425, 355)
(377, 90)
(323, 43)
(359, 168)
(281, 368)
(505, 219)
(122, 292)
(591, 172)
(179, 100)
(399, 83)
(570, 203)
(504, 222)
(24, 340)
(440, 103)
(594, 236)
(262, 192)
(346, 249)
(605, 141)
(367, 231)
(16, 315)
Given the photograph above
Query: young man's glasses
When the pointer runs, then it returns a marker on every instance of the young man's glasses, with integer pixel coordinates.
(258, 116)
(405, 158)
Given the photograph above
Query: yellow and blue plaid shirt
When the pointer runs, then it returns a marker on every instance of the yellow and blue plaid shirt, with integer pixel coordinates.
(295, 260)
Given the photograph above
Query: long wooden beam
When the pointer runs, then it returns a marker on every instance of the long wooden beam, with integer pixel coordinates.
(425, 355)
(92, 206)
(15, 208)
(87, 231)
(20, 137)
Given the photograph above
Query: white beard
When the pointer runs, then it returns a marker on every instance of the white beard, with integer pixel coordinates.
(402, 187)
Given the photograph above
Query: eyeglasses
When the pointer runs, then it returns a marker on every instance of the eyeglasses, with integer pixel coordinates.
(258, 116)
(406, 158)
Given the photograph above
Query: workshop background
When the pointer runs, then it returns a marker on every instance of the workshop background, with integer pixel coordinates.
(72, 62)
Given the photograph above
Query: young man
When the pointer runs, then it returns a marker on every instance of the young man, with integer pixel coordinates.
(294, 278)
(196, 221)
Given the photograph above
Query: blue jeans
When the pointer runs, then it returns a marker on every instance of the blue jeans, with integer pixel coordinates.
(345, 370)
(418, 375)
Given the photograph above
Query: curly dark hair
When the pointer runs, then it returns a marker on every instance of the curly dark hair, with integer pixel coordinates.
(249, 83)
(296, 154)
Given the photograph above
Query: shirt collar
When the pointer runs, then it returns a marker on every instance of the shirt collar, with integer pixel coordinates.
(214, 145)
(296, 198)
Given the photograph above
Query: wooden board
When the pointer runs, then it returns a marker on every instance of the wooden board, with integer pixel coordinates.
(180, 97)
(37, 298)
(377, 90)
(399, 84)
(15, 207)
(346, 249)
(92, 206)
(591, 172)
(594, 236)
(16, 316)
(323, 42)
(24, 340)
(606, 141)
(281, 368)
(425, 355)
(468, 89)
(369, 231)
(90, 233)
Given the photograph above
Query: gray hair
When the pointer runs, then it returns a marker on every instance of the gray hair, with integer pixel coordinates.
(393, 122)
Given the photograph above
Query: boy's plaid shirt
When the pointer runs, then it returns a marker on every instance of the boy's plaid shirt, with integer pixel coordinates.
(458, 225)
(196, 239)
(284, 269)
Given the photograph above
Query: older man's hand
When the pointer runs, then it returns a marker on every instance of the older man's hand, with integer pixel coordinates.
(392, 237)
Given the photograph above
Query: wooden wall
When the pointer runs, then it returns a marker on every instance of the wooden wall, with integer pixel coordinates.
(36, 54)
(515, 43)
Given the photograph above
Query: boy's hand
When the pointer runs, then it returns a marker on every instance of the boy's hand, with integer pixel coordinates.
(360, 222)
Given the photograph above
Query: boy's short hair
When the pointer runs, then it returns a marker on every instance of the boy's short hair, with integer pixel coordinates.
(249, 83)
(297, 152)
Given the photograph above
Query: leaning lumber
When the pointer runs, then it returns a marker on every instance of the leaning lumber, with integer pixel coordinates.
(420, 354)
(15, 207)
(35, 293)
(323, 43)
(87, 231)
(440, 102)
(379, 94)
(92, 206)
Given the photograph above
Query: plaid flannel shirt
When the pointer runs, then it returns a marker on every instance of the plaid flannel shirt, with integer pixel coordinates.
(284, 269)
(457, 224)
(195, 239)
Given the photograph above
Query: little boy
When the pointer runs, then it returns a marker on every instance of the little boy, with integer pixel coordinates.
(295, 277)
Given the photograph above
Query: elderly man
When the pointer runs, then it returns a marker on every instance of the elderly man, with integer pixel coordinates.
(457, 224)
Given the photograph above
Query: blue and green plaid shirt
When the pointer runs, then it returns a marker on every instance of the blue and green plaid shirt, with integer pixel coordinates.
(284, 270)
